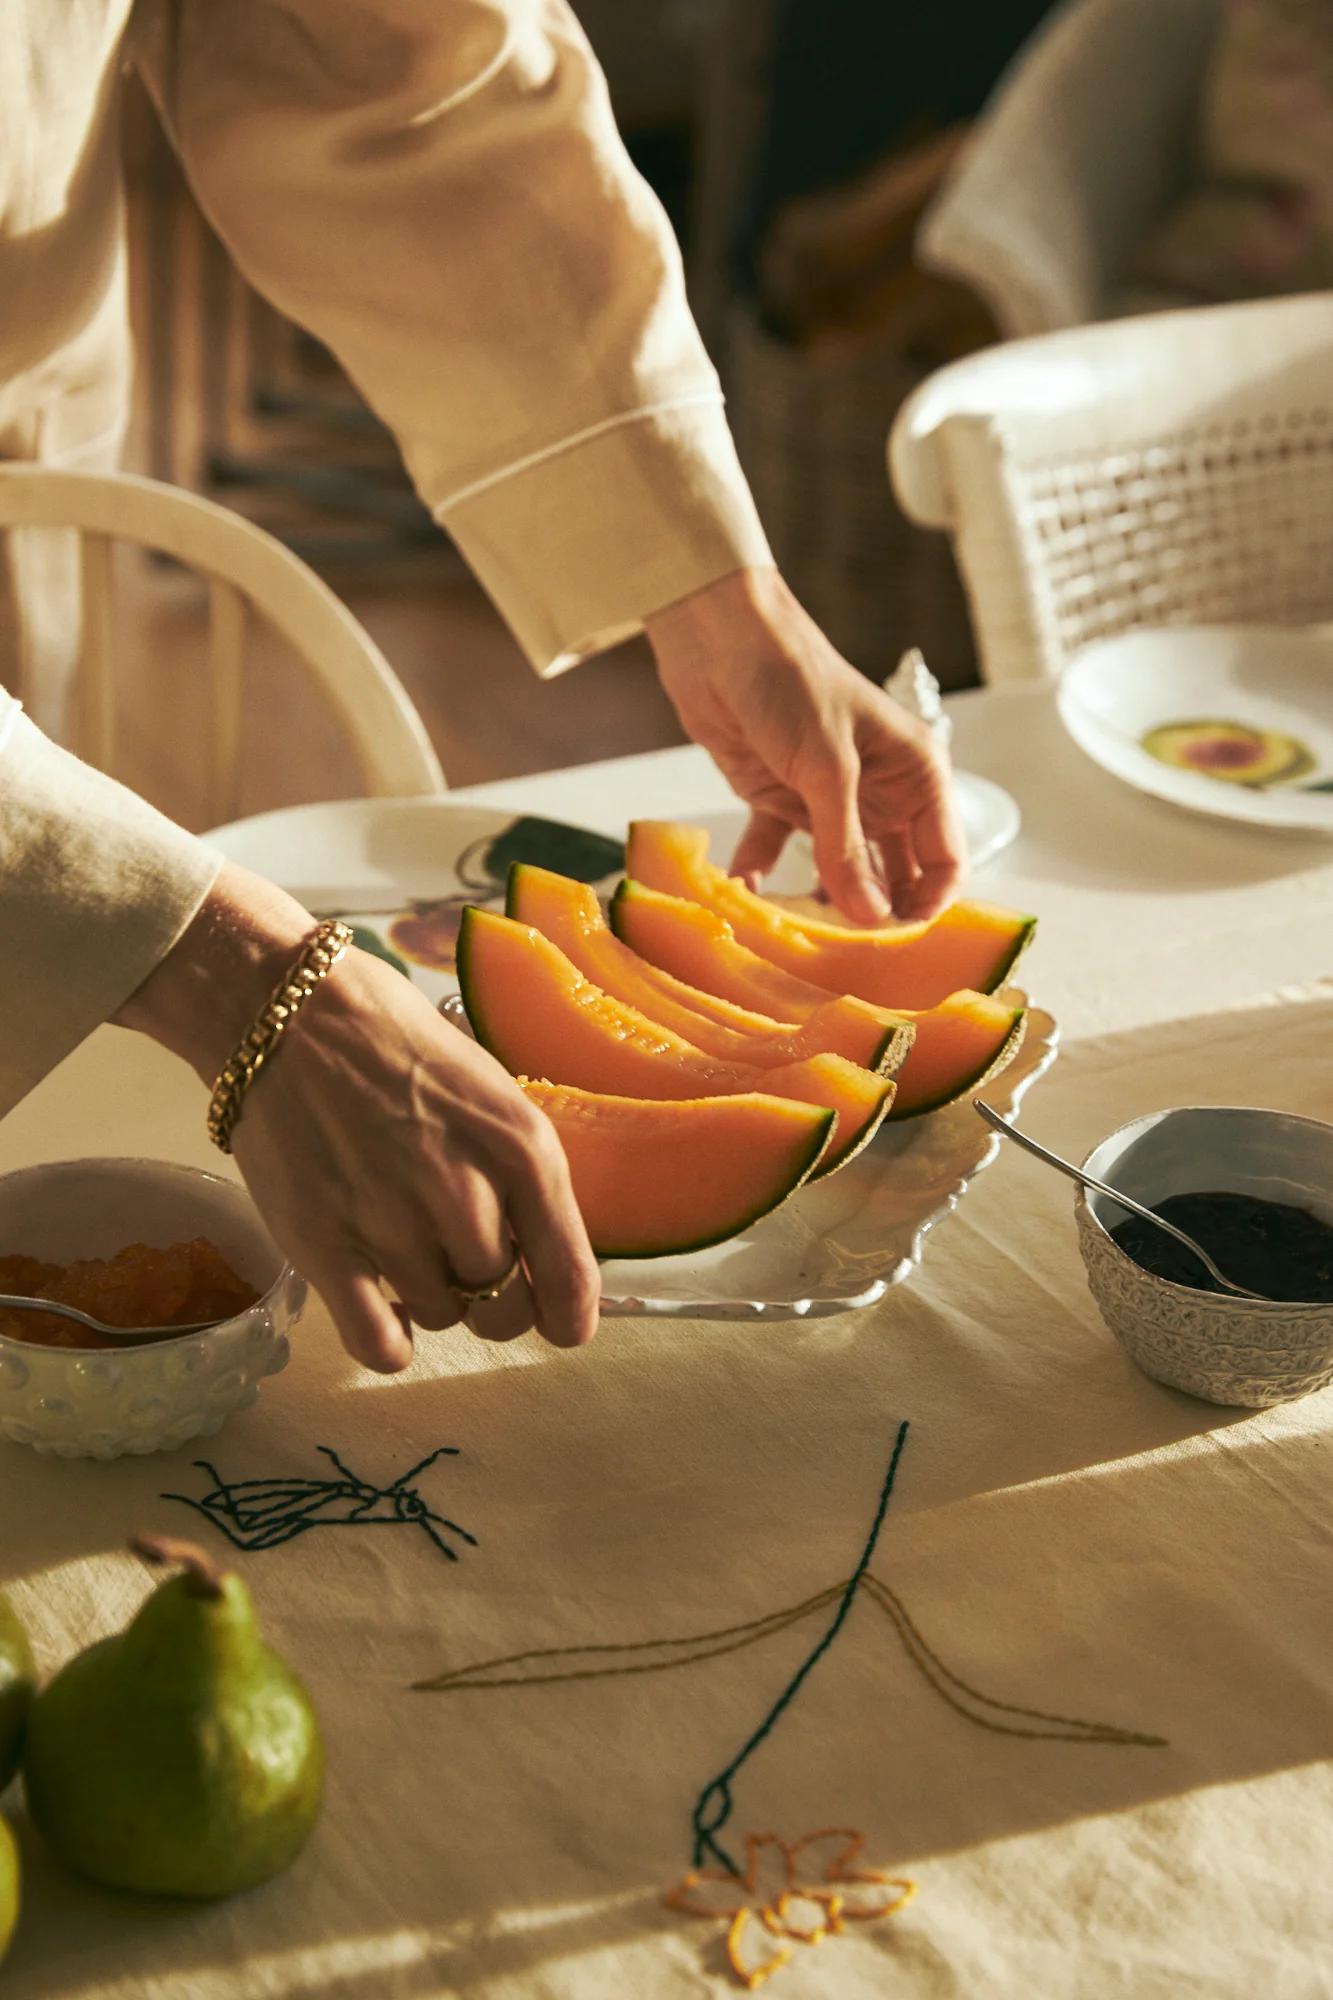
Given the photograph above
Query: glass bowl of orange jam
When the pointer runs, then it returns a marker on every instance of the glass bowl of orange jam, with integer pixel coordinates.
(136, 1243)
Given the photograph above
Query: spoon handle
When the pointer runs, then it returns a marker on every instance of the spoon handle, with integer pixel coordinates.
(1124, 1201)
(131, 1333)
(50, 1306)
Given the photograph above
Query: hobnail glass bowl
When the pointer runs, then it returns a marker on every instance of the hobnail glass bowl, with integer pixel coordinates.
(102, 1402)
(1226, 1350)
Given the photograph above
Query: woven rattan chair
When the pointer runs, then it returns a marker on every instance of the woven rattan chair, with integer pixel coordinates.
(1172, 469)
(249, 574)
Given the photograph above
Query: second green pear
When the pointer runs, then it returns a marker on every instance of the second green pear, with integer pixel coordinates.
(18, 1684)
(9, 1885)
(183, 1756)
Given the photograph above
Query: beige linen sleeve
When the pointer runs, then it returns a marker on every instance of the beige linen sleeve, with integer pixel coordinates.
(437, 190)
(95, 888)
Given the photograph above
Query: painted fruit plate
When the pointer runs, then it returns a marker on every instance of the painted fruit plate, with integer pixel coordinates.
(1231, 720)
(401, 870)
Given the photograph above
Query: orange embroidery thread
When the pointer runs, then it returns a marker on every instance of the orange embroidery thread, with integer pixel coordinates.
(778, 1911)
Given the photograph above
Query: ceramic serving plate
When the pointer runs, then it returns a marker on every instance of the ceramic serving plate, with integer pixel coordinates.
(401, 870)
(1235, 721)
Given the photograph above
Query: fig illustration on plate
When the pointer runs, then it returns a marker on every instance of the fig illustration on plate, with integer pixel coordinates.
(1232, 751)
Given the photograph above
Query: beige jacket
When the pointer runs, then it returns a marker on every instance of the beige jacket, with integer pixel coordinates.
(437, 190)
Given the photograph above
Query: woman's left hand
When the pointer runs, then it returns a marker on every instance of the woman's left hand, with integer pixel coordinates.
(808, 742)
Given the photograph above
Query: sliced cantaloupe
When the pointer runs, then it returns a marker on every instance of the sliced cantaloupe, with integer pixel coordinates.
(959, 1044)
(538, 1014)
(901, 966)
(655, 1178)
(569, 914)
(965, 1041)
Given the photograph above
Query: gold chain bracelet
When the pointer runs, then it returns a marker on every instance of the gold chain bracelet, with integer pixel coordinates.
(318, 957)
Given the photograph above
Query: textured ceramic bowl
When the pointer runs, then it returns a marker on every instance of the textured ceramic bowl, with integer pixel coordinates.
(1224, 1349)
(101, 1402)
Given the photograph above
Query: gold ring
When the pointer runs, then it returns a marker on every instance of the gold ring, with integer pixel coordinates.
(469, 1296)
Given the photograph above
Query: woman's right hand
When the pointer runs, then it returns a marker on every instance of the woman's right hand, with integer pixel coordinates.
(379, 1143)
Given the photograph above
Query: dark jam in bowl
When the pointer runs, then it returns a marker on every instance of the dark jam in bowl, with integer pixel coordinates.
(1268, 1246)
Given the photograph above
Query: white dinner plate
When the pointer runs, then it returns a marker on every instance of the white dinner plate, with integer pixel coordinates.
(1267, 678)
(990, 818)
(394, 866)
(356, 853)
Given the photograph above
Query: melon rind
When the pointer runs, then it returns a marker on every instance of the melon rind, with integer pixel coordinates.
(569, 914)
(652, 922)
(656, 1150)
(545, 1017)
(909, 966)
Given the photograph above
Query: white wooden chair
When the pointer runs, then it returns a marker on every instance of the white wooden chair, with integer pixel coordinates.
(1171, 469)
(1083, 145)
(248, 573)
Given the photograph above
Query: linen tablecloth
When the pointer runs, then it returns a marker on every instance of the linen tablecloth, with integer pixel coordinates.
(1080, 1699)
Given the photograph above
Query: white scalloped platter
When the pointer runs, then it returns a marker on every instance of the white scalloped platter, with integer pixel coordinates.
(834, 1247)
(837, 1246)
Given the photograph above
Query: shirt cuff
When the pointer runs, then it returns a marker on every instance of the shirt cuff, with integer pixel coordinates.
(95, 888)
(581, 542)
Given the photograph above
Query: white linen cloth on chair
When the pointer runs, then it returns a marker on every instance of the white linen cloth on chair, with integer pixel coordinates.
(1082, 147)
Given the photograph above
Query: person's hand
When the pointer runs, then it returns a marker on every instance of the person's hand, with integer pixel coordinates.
(808, 742)
(379, 1142)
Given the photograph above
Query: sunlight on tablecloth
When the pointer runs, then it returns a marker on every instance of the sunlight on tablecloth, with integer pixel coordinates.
(1081, 1697)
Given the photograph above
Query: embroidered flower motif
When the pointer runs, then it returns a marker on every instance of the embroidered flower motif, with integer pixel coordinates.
(791, 1893)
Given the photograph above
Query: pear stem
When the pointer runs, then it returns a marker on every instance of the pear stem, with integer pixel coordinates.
(203, 1578)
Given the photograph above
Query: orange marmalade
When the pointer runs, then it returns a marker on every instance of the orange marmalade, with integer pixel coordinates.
(138, 1287)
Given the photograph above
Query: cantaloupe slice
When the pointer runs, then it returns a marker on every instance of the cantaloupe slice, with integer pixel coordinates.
(901, 966)
(538, 1014)
(569, 914)
(655, 1179)
(959, 1044)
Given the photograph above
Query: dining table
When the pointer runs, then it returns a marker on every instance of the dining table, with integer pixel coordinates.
(922, 1649)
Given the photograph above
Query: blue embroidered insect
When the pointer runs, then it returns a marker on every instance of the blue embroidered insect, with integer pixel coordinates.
(261, 1513)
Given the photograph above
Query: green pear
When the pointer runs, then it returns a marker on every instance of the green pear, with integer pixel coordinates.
(9, 1886)
(181, 1757)
(18, 1684)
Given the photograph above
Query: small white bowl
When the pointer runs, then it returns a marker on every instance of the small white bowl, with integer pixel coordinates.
(104, 1401)
(1226, 1350)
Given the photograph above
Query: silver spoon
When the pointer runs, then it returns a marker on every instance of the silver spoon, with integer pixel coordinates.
(1122, 1200)
(99, 1326)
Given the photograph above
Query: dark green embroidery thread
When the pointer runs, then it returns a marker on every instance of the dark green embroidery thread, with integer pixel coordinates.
(712, 1810)
(713, 1807)
(262, 1513)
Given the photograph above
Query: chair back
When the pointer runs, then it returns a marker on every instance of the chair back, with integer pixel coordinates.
(249, 572)
(1171, 469)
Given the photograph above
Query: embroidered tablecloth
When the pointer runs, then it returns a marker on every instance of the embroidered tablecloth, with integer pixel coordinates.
(941, 1594)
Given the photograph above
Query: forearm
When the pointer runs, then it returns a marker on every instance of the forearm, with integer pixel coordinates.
(739, 606)
(459, 222)
(203, 996)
